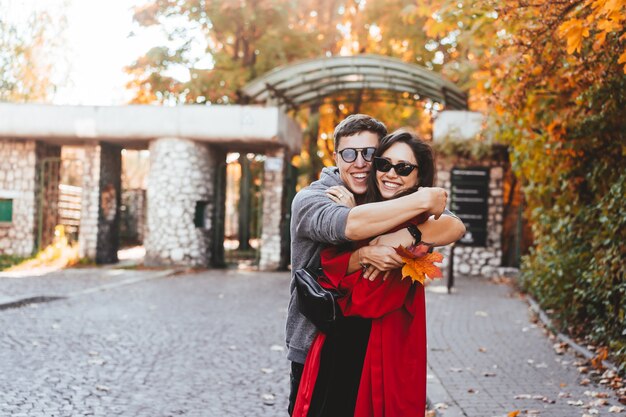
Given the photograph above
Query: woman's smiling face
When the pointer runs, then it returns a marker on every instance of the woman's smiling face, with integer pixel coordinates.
(390, 183)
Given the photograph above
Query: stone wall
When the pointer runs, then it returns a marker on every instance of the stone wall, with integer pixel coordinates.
(20, 181)
(17, 182)
(180, 202)
(100, 213)
(273, 211)
(478, 260)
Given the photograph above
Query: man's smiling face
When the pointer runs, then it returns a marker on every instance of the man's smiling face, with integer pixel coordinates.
(354, 174)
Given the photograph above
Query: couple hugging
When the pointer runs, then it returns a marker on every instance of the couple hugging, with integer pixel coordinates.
(380, 195)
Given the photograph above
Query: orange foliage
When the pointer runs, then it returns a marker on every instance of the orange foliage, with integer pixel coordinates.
(419, 263)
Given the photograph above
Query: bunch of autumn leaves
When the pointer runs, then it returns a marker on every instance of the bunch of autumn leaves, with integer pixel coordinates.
(419, 262)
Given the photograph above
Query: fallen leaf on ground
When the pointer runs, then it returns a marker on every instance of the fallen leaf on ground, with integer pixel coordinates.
(615, 409)
(513, 413)
(602, 354)
(560, 348)
(599, 402)
(268, 399)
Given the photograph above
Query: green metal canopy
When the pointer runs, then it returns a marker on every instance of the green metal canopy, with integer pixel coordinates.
(311, 81)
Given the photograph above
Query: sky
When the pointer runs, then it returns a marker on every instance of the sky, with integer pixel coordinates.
(99, 46)
(95, 47)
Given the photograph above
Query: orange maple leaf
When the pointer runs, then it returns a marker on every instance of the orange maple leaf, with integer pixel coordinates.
(418, 267)
(574, 31)
(413, 251)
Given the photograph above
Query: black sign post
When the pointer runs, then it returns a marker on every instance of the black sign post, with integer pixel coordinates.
(469, 200)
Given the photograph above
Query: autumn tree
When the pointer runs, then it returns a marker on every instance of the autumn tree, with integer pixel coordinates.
(243, 40)
(240, 40)
(26, 46)
(551, 77)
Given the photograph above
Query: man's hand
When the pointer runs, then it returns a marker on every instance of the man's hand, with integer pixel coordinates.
(379, 259)
(434, 198)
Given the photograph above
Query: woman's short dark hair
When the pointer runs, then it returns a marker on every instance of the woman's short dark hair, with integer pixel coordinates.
(423, 155)
(357, 123)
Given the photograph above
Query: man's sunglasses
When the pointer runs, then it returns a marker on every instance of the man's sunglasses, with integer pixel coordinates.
(402, 168)
(350, 154)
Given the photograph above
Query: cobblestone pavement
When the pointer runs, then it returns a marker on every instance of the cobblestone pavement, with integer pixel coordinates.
(211, 344)
(486, 352)
(206, 344)
(64, 282)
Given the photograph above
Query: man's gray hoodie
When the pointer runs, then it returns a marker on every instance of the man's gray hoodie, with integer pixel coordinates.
(316, 222)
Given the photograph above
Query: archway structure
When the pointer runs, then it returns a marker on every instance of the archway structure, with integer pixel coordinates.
(307, 82)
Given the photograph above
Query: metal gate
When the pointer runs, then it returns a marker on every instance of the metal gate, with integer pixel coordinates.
(57, 203)
(242, 239)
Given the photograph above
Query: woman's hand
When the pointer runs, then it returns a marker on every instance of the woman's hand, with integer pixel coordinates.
(340, 195)
(377, 259)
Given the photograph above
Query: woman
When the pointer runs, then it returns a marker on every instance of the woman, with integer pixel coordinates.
(374, 362)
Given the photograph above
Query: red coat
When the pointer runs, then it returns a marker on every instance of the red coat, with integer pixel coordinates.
(393, 381)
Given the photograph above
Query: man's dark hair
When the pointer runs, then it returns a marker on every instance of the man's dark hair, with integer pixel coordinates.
(423, 155)
(357, 123)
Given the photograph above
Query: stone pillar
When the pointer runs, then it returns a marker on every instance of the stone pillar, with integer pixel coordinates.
(273, 210)
(98, 237)
(180, 203)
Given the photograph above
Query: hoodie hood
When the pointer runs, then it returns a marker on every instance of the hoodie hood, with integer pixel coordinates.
(329, 177)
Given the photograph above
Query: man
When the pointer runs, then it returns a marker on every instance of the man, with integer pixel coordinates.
(317, 222)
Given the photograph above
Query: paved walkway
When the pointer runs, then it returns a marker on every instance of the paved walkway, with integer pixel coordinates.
(487, 358)
(136, 343)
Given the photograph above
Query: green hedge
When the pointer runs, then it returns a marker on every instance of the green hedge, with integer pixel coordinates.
(575, 192)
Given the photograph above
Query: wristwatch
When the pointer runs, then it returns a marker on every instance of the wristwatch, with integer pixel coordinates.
(415, 232)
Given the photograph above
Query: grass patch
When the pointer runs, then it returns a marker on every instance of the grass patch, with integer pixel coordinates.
(7, 261)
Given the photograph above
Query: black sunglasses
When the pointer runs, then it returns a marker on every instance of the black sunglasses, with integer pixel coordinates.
(350, 154)
(402, 168)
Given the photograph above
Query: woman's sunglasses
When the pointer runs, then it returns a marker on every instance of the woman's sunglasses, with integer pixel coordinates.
(350, 154)
(402, 168)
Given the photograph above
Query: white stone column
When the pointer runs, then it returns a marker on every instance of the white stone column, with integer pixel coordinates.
(273, 210)
(180, 203)
(88, 232)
